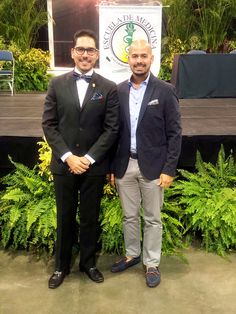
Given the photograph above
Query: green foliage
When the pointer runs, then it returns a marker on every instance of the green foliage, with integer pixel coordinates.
(170, 47)
(198, 24)
(21, 20)
(179, 19)
(208, 20)
(27, 211)
(232, 45)
(208, 198)
(213, 19)
(172, 227)
(111, 218)
(45, 154)
(202, 203)
(30, 67)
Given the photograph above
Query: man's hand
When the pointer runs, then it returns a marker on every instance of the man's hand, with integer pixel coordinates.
(77, 165)
(165, 181)
(111, 178)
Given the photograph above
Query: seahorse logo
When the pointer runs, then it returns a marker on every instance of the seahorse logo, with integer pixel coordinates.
(122, 41)
(128, 39)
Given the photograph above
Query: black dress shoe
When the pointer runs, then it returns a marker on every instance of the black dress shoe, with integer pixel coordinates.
(93, 273)
(57, 279)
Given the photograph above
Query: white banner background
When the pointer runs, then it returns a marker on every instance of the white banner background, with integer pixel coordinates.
(118, 27)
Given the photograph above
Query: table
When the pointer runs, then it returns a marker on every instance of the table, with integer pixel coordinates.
(211, 75)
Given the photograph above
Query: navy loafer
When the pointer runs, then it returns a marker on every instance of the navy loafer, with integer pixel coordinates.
(153, 277)
(124, 263)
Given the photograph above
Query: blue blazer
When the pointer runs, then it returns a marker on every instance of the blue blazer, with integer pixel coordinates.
(158, 134)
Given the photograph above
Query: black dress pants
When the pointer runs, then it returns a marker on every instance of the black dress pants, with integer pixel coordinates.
(69, 190)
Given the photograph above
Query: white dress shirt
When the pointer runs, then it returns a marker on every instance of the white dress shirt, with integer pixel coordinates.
(82, 87)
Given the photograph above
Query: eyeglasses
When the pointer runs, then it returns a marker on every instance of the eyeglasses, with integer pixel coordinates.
(81, 51)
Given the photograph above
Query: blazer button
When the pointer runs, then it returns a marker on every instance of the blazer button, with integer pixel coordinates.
(76, 145)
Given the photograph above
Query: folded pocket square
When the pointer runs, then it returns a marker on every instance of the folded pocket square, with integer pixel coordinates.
(97, 96)
(153, 102)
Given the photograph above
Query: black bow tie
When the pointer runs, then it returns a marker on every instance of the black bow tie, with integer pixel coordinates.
(85, 77)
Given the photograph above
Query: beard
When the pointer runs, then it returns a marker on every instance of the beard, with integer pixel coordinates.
(141, 73)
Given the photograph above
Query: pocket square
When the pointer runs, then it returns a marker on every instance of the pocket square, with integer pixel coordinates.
(153, 102)
(97, 96)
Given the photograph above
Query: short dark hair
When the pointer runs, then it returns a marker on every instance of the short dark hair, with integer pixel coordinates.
(83, 33)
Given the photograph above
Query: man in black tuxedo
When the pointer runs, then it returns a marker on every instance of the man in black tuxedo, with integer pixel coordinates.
(146, 158)
(80, 122)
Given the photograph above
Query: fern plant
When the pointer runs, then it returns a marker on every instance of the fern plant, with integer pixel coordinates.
(172, 226)
(208, 198)
(111, 218)
(27, 211)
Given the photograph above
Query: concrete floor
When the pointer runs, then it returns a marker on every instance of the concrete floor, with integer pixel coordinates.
(204, 285)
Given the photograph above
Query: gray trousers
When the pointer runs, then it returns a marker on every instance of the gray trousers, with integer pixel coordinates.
(136, 191)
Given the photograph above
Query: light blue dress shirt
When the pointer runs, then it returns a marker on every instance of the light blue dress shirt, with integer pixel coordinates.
(135, 101)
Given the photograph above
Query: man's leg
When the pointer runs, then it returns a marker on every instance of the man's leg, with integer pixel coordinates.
(91, 191)
(152, 196)
(66, 190)
(67, 201)
(129, 192)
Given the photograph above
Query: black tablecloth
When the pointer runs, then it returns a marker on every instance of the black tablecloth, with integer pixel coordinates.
(205, 75)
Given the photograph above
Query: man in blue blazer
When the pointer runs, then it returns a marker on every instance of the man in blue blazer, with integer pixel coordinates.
(80, 122)
(146, 158)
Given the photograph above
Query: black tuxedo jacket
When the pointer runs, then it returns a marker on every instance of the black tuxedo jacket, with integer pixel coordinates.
(88, 129)
(158, 134)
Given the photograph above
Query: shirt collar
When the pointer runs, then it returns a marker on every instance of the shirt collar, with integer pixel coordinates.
(145, 82)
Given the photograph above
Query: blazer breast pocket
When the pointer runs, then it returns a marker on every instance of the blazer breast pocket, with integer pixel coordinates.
(154, 102)
(97, 96)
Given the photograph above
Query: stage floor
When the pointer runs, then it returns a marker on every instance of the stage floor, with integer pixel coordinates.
(207, 124)
(20, 115)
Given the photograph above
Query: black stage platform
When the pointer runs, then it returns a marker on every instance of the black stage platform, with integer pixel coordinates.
(207, 123)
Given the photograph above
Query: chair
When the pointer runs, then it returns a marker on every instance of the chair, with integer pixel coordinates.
(233, 51)
(7, 68)
(196, 52)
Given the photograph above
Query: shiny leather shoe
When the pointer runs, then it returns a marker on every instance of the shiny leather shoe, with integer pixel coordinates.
(57, 279)
(93, 273)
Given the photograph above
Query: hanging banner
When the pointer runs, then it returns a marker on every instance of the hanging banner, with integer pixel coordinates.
(119, 26)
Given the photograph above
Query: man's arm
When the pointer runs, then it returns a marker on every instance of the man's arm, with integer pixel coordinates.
(173, 131)
(50, 123)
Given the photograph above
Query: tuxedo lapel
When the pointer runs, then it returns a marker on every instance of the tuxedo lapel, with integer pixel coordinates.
(73, 89)
(88, 95)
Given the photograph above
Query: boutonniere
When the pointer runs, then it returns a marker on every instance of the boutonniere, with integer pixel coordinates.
(97, 96)
(153, 102)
